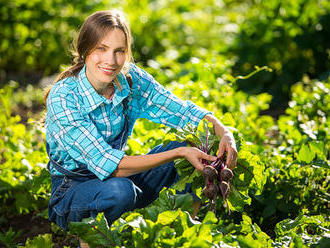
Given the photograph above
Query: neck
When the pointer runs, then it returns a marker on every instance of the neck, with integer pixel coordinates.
(106, 91)
(102, 88)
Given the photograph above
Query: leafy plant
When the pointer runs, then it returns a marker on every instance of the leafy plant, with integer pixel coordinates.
(8, 238)
(304, 231)
(22, 160)
(44, 240)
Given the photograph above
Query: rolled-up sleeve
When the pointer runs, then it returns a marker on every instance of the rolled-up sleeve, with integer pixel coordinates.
(79, 137)
(160, 105)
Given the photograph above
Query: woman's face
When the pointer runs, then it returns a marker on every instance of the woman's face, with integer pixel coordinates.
(107, 59)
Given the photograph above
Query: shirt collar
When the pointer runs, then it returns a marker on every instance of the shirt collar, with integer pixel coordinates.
(92, 99)
(125, 90)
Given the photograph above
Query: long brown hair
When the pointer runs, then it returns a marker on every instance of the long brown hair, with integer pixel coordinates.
(91, 32)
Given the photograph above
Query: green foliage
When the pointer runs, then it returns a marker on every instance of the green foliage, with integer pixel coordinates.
(306, 120)
(39, 241)
(304, 231)
(24, 185)
(8, 239)
(177, 229)
(171, 229)
(34, 32)
(36, 35)
(167, 200)
(162, 212)
(298, 165)
(288, 36)
(27, 102)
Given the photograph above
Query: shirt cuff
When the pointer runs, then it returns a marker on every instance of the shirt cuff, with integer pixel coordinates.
(197, 114)
(110, 162)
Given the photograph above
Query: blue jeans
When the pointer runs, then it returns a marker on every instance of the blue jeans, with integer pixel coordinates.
(73, 200)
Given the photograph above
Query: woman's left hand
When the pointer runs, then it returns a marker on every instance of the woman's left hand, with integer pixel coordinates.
(227, 144)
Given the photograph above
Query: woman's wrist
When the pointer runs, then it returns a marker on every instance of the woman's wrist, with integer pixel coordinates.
(219, 128)
(181, 152)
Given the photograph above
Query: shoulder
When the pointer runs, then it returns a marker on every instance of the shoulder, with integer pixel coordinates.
(138, 73)
(142, 80)
(64, 92)
(64, 88)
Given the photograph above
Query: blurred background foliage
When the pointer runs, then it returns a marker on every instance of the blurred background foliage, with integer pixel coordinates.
(288, 36)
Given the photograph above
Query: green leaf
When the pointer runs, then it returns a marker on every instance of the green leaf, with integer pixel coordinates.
(183, 201)
(199, 243)
(237, 200)
(210, 218)
(205, 232)
(167, 217)
(305, 154)
(318, 148)
(269, 210)
(135, 220)
(42, 240)
(93, 231)
(304, 230)
(191, 232)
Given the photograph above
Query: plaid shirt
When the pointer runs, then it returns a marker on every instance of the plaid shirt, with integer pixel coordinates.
(81, 124)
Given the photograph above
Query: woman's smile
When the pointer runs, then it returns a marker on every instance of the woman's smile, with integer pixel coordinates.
(107, 71)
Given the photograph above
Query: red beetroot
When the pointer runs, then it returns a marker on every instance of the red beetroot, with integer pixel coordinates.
(211, 191)
(210, 173)
(226, 175)
(224, 189)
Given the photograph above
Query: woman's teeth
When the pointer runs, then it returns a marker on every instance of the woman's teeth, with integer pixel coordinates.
(107, 70)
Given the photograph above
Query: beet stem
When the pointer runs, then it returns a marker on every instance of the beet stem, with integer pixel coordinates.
(202, 147)
(207, 139)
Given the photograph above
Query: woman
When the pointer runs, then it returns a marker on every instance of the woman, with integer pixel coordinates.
(91, 111)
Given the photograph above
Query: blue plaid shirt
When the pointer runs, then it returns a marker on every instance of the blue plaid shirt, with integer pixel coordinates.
(81, 124)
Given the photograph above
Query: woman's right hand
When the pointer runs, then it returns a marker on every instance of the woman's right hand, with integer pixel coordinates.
(195, 156)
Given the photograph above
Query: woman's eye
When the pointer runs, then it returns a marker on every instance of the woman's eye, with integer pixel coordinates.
(120, 51)
(100, 48)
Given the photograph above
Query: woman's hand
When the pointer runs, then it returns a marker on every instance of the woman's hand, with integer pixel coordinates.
(195, 156)
(227, 142)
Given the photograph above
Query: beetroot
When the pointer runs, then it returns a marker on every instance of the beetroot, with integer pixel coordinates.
(210, 173)
(217, 175)
(226, 175)
(224, 189)
(211, 190)
(217, 181)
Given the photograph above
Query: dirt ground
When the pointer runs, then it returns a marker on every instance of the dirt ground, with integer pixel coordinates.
(32, 225)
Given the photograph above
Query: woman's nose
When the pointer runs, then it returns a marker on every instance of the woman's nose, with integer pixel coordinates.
(110, 58)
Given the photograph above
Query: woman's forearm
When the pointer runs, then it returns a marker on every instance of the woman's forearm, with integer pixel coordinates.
(131, 165)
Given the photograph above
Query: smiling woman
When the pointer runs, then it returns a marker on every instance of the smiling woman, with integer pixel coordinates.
(91, 111)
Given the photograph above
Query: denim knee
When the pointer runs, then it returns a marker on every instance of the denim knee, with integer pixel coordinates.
(118, 195)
